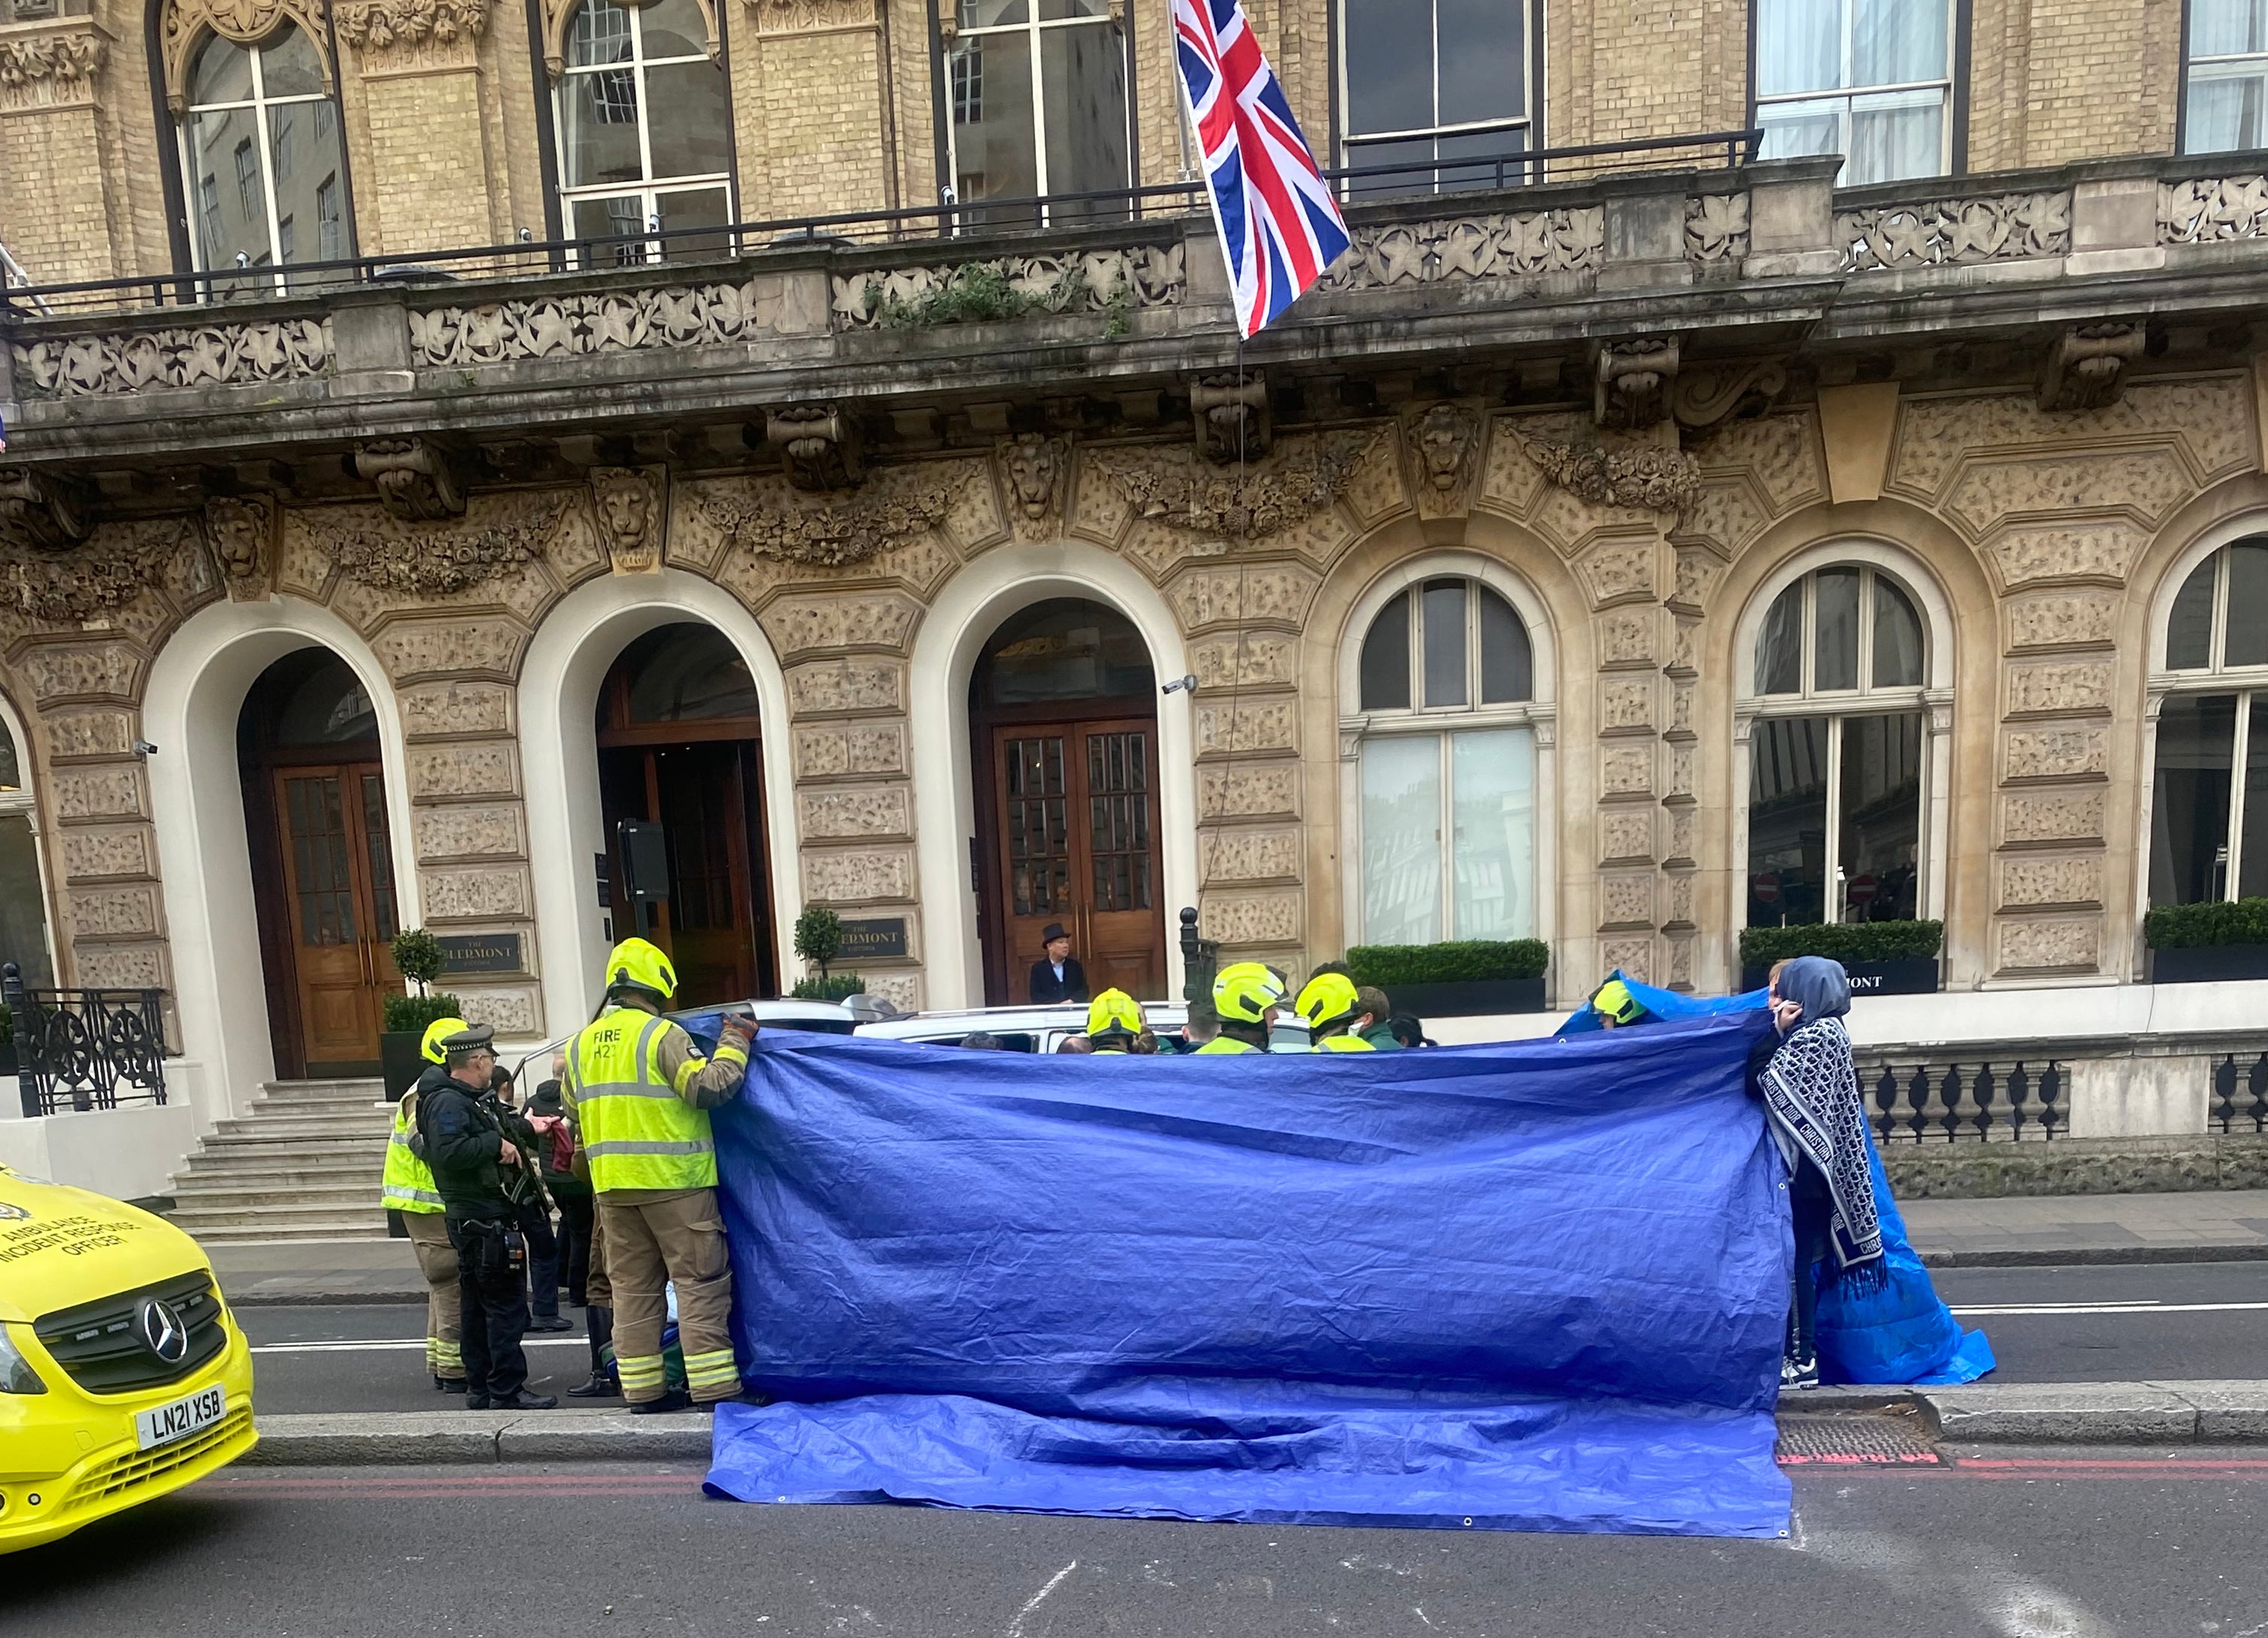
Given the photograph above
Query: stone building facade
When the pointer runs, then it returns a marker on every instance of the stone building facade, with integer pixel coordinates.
(2006, 414)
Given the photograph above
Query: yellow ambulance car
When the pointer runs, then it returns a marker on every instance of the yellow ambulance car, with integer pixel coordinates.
(123, 1376)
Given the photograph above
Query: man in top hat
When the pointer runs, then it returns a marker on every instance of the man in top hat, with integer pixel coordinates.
(1057, 976)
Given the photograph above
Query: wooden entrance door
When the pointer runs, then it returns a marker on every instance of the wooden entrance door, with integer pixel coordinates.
(338, 882)
(704, 796)
(1076, 814)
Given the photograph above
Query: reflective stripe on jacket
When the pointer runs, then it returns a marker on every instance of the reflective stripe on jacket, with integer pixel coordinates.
(408, 1185)
(1343, 1044)
(1228, 1043)
(638, 1129)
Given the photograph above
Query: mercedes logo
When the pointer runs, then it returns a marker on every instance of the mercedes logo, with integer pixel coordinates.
(162, 1329)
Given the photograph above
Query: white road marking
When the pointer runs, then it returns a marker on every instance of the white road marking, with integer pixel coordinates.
(1016, 1626)
(2116, 1308)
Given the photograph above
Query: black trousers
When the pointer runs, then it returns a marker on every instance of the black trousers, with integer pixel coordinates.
(542, 1261)
(1813, 1207)
(492, 1298)
(575, 1245)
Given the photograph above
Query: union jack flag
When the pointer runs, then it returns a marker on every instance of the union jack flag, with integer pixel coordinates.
(1279, 226)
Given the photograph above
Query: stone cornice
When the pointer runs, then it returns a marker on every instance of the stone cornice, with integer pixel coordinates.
(51, 64)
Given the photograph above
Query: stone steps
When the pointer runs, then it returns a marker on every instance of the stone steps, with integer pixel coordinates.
(305, 1161)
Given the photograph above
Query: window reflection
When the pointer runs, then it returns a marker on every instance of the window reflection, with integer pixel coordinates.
(1039, 107)
(644, 133)
(2209, 794)
(1437, 87)
(260, 150)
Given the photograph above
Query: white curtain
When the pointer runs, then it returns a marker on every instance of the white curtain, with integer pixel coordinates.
(1492, 786)
(1401, 839)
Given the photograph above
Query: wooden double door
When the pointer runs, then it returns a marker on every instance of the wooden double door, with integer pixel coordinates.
(338, 915)
(1074, 824)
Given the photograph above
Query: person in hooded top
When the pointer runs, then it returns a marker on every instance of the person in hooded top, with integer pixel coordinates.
(1818, 1120)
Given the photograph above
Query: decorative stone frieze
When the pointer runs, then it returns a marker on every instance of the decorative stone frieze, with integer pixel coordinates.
(1620, 570)
(1716, 228)
(2086, 364)
(93, 852)
(2059, 686)
(2057, 753)
(413, 479)
(790, 16)
(116, 793)
(115, 563)
(1277, 594)
(566, 327)
(241, 531)
(854, 813)
(1941, 233)
(2150, 481)
(829, 688)
(141, 361)
(485, 830)
(2212, 208)
(82, 670)
(40, 511)
(509, 1012)
(1250, 855)
(1033, 468)
(122, 966)
(490, 768)
(1102, 282)
(1246, 726)
(1645, 477)
(2032, 946)
(1265, 498)
(100, 731)
(2051, 816)
(1512, 245)
(379, 27)
(54, 65)
(2029, 882)
(1267, 791)
(114, 912)
(182, 24)
(436, 709)
(1625, 835)
(850, 750)
(767, 518)
(481, 893)
(1632, 382)
(1239, 920)
(632, 504)
(857, 876)
(2063, 619)
(803, 625)
(1249, 659)
(2029, 553)
(437, 559)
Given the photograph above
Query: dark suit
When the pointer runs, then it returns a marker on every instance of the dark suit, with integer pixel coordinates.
(1046, 987)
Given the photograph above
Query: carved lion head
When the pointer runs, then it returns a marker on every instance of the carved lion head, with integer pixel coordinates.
(1033, 464)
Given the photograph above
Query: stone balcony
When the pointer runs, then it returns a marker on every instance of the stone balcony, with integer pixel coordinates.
(1657, 283)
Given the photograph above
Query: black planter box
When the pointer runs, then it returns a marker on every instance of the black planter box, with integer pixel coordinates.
(400, 1062)
(1908, 975)
(2204, 963)
(1467, 999)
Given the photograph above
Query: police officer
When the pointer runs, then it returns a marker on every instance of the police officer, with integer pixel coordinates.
(641, 1093)
(479, 1169)
(1114, 1021)
(409, 1188)
(1247, 995)
(1333, 1009)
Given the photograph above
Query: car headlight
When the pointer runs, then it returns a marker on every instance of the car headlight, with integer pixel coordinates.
(16, 1373)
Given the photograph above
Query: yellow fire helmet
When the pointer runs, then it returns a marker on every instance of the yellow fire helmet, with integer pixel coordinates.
(1245, 990)
(1614, 1000)
(637, 963)
(1329, 999)
(1114, 1012)
(439, 1030)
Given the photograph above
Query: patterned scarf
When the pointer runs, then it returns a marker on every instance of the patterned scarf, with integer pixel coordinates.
(1811, 1093)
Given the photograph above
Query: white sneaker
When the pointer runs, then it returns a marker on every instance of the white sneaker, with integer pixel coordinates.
(1797, 1374)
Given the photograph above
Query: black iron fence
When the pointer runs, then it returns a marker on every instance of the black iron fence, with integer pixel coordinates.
(2240, 1093)
(78, 1049)
(1981, 1101)
(655, 242)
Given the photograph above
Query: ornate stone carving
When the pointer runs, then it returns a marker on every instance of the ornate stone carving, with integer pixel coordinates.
(786, 15)
(241, 531)
(854, 813)
(182, 24)
(768, 519)
(632, 507)
(1270, 790)
(2086, 364)
(137, 361)
(857, 876)
(371, 27)
(1231, 415)
(2056, 754)
(412, 478)
(1097, 281)
(1033, 468)
(1632, 378)
(2052, 817)
(1644, 476)
(2212, 208)
(566, 327)
(1939, 232)
(1512, 245)
(1443, 442)
(92, 578)
(829, 687)
(434, 709)
(1177, 488)
(1704, 395)
(389, 555)
(1717, 227)
(40, 511)
(818, 443)
(54, 65)
(2028, 946)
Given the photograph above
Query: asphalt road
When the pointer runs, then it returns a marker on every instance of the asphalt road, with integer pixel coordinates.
(2117, 1324)
(2136, 1544)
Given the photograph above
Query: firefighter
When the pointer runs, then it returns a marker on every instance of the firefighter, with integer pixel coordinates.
(1114, 1020)
(1333, 1009)
(409, 1188)
(1247, 995)
(641, 1093)
(1617, 1008)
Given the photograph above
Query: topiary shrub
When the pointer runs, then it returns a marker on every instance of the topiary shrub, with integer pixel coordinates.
(839, 987)
(818, 937)
(417, 957)
(1845, 942)
(410, 1014)
(2191, 926)
(1466, 961)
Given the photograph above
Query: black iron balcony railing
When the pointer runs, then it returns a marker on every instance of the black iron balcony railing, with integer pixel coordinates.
(80, 1049)
(654, 243)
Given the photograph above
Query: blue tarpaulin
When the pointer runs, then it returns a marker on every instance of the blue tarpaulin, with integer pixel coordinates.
(1901, 1332)
(1531, 1286)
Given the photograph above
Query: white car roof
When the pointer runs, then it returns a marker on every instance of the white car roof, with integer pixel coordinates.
(1009, 1020)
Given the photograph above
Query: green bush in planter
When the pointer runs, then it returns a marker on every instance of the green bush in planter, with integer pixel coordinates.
(1843, 940)
(2189, 926)
(1468, 961)
(410, 1015)
(832, 987)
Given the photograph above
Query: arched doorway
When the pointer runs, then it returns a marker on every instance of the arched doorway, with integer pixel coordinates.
(1062, 716)
(322, 862)
(679, 746)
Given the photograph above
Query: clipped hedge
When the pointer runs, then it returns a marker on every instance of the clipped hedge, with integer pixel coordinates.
(410, 1014)
(1469, 961)
(1845, 941)
(834, 986)
(2191, 926)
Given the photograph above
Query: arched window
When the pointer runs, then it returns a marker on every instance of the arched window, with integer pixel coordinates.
(23, 892)
(2208, 837)
(645, 136)
(1445, 689)
(261, 162)
(1835, 753)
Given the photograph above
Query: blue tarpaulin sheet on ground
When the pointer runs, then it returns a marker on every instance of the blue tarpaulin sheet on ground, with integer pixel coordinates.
(1532, 1285)
(1900, 1332)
